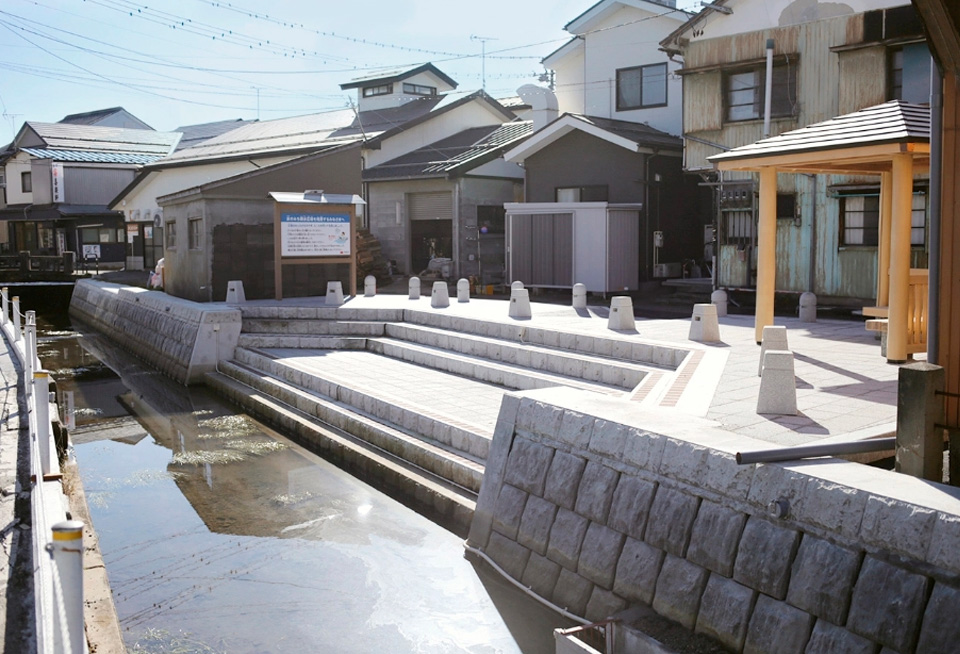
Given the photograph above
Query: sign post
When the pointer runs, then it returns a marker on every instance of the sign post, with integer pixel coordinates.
(314, 228)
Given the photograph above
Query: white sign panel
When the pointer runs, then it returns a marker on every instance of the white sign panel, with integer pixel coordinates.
(56, 181)
(314, 235)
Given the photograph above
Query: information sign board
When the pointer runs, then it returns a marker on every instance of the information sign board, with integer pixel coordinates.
(314, 234)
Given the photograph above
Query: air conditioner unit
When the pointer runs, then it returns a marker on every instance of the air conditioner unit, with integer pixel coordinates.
(158, 218)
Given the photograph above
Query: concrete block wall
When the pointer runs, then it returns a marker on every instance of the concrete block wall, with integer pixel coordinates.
(183, 339)
(596, 516)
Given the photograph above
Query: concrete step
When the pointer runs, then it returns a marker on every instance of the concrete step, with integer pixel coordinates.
(303, 341)
(437, 458)
(489, 371)
(313, 327)
(448, 504)
(464, 438)
(253, 312)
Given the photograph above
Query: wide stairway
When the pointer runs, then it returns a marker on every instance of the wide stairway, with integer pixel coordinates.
(409, 398)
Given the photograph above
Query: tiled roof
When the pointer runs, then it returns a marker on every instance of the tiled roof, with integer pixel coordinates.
(462, 151)
(91, 156)
(90, 117)
(66, 136)
(196, 134)
(639, 133)
(396, 74)
(890, 122)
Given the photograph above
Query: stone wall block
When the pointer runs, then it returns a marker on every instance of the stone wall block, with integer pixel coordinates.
(599, 554)
(637, 571)
(572, 592)
(671, 520)
(684, 461)
(822, 578)
(897, 526)
(541, 575)
(508, 510)
(833, 507)
(777, 627)
(828, 638)
(603, 604)
(563, 480)
(940, 632)
(679, 588)
(527, 465)
(945, 543)
(722, 474)
(526, 419)
(547, 418)
(608, 439)
(596, 491)
(887, 604)
(772, 482)
(725, 610)
(576, 429)
(535, 524)
(764, 557)
(644, 450)
(508, 554)
(715, 537)
(566, 537)
(630, 507)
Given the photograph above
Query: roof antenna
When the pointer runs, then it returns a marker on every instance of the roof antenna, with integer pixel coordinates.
(483, 57)
(357, 114)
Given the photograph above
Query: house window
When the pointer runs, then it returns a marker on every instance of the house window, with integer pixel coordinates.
(738, 222)
(419, 89)
(381, 89)
(596, 193)
(171, 232)
(744, 90)
(641, 87)
(909, 73)
(26, 183)
(860, 219)
(195, 233)
(786, 206)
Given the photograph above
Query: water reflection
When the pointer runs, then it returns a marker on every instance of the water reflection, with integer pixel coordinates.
(221, 535)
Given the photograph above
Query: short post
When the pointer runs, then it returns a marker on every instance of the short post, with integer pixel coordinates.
(30, 349)
(520, 303)
(704, 326)
(69, 262)
(517, 285)
(49, 464)
(919, 411)
(440, 296)
(334, 294)
(719, 299)
(579, 296)
(16, 318)
(24, 260)
(808, 307)
(774, 338)
(414, 287)
(67, 553)
(463, 290)
(369, 286)
(621, 313)
(778, 384)
(235, 292)
(4, 295)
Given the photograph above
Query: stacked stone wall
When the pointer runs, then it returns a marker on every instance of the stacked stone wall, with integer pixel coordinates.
(596, 516)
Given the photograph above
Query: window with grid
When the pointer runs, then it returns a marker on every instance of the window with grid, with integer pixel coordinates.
(860, 219)
(26, 183)
(744, 89)
(641, 87)
(419, 89)
(380, 89)
(171, 232)
(195, 233)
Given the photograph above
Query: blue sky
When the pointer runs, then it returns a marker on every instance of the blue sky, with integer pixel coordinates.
(180, 62)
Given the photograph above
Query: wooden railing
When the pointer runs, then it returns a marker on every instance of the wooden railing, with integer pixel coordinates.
(918, 311)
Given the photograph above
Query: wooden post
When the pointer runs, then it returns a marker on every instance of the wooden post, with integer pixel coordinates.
(883, 239)
(900, 258)
(766, 251)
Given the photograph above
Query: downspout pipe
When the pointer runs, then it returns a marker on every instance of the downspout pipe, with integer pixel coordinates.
(768, 90)
(936, 175)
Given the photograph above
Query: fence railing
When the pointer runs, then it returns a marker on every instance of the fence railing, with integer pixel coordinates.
(57, 542)
(26, 262)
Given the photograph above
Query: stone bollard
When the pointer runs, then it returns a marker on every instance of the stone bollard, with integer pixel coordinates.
(15, 317)
(334, 294)
(719, 299)
(520, 303)
(704, 327)
(369, 286)
(235, 293)
(774, 338)
(4, 295)
(920, 420)
(778, 384)
(29, 349)
(808, 307)
(414, 287)
(66, 549)
(463, 290)
(621, 313)
(515, 286)
(579, 296)
(440, 297)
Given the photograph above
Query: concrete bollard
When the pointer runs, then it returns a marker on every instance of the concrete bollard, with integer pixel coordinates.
(774, 338)
(520, 303)
(440, 297)
(334, 294)
(808, 307)
(369, 286)
(920, 420)
(235, 293)
(579, 296)
(29, 349)
(4, 294)
(778, 384)
(704, 327)
(515, 286)
(15, 318)
(463, 290)
(49, 464)
(67, 552)
(719, 299)
(621, 313)
(414, 288)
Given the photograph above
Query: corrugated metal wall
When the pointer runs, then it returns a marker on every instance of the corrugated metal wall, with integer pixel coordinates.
(541, 249)
(94, 185)
(623, 243)
(431, 206)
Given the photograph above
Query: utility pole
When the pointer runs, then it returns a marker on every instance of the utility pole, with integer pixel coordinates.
(483, 57)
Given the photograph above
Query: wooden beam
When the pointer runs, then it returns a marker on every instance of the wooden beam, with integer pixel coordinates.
(766, 251)
(883, 240)
(827, 157)
(901, 202)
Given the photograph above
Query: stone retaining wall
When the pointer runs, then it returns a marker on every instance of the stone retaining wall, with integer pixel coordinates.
(183, 339)
(595, 515)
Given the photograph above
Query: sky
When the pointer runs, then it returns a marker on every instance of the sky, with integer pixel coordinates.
(184, 62)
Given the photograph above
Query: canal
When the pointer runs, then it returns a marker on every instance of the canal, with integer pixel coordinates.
(219, 534)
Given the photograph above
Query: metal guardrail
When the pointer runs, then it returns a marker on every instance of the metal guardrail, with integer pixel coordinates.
(25, 262)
